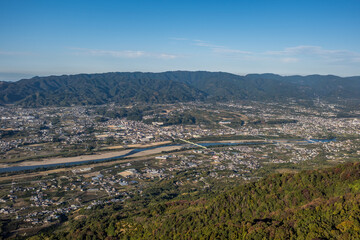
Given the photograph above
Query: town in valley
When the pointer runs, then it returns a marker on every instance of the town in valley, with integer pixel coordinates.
(85, 157)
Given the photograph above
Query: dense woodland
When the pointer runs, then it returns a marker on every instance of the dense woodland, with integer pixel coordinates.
(169, 87)
(318, 204)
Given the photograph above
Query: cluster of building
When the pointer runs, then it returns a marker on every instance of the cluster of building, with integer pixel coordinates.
(41, 202)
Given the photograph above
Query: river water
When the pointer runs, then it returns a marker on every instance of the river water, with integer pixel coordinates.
(137, 150)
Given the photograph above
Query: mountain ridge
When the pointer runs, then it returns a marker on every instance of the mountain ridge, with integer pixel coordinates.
(172, 86)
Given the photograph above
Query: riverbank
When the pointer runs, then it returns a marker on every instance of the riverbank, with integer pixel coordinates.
(64, 160)
(51, 162)
(137, 152)
(155, 144)
(234, 141)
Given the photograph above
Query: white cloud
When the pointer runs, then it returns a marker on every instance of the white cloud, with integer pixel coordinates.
(295, 50)
(220, 49)
(231, 51)
(317, 52)
(124, 54)
(202, 43)
(127, 54)
(167, 56)
(287, 55)
(289, 60)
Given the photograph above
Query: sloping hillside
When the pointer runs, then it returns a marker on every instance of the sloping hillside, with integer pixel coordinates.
(169, 87)
(322, 204)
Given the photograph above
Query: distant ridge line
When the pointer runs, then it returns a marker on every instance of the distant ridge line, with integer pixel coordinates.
(173, 86)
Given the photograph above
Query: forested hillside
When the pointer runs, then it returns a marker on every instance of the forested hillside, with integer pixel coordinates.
(321, 204)
(95, 89)
(168, 87)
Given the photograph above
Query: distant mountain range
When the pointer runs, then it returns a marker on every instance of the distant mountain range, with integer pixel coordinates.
(168, 87)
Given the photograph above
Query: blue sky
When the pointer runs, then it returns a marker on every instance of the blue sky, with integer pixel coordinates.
(284, 37)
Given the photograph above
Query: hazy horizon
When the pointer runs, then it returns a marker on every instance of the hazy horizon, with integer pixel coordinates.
(12, 76)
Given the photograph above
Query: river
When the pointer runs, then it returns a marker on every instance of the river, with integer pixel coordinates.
(137, 150)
